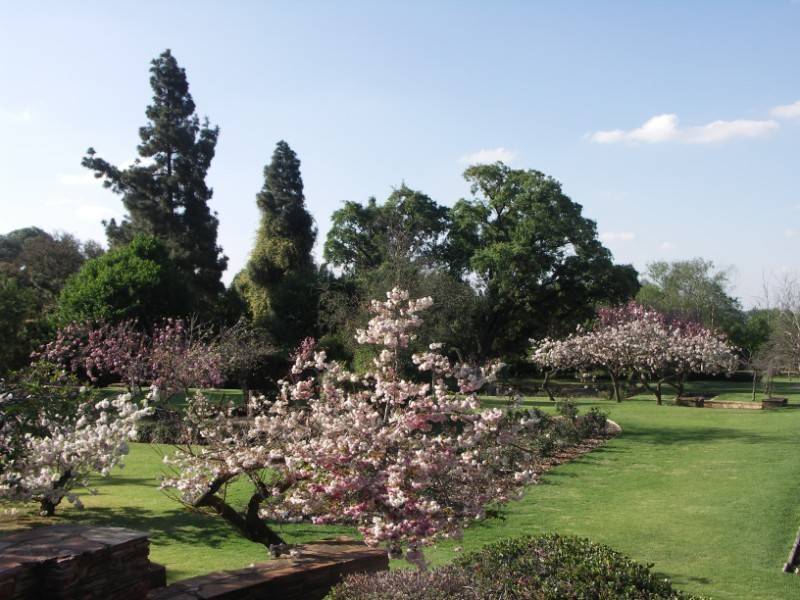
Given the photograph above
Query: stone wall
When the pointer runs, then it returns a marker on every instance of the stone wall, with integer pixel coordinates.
(308, 576)
(71, 562)
(66, 562)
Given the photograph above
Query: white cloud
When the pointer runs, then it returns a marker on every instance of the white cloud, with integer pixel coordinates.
(488, 156)
(787, 111)
(791, 233)
(80, 179)
(666, 128)
(617, 236)
(666, 246)
(94, 212)
(83, 209)
(16, 116)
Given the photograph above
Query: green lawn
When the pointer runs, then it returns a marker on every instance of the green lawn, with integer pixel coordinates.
(709, 496)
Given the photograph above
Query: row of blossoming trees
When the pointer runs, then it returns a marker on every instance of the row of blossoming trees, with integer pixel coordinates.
(632, 342)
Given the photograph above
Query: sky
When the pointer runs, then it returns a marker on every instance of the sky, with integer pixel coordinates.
(676, 125)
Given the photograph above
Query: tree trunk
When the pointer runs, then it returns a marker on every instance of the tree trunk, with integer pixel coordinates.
(755, 378)
(250, 525)
(615, 387)
(48, 507)
(658, 393)
(546, 386)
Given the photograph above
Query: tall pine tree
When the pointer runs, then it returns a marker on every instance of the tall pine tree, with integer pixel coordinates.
(164, 191)
(279, 281)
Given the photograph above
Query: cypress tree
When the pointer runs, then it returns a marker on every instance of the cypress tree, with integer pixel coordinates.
(164, 191)
(278, 282)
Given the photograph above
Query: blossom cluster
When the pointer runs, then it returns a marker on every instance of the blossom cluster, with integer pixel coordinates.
(56, 453)
(406, 460)
(632, 340)
(169, 358)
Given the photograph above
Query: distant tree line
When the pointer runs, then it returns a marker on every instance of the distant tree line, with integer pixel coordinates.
(514, 261)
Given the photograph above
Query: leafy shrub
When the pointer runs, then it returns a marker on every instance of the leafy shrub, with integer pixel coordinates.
(549, 567)
(592, 424)
(137, 281)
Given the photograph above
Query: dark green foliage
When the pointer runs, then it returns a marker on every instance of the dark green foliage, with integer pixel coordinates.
(42, 262)
(137, 281)
(34, 265)
(279, 283)
(408, 228)
(21, 325)
(165, 192)
(536, 256)
(402, 243)
(549, 567)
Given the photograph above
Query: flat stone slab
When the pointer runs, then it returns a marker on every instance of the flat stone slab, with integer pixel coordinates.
(76, 562)
(41, 544)
(309, 575)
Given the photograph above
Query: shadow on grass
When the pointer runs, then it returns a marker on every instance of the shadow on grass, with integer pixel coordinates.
(177, 525)
(191, 527)
(669, 436)
(682, 580)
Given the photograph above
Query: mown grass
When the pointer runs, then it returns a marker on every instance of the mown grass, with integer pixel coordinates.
(709, 496)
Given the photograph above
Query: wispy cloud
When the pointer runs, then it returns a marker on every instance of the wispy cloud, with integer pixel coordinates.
(617, 236)
(82, 209)
(488, 156)
(666, 128)
(15, 116)
(666, 246)
(791, 233)
(787, 111)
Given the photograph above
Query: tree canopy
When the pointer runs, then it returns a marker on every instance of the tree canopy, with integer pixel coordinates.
(536, 258)
(164, 191)
(278, 283)
(138, 281)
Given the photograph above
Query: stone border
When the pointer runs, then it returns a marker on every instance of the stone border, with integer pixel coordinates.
(307, 576)
(713, 402)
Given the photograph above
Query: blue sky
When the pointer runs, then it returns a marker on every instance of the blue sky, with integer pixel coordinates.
(674, 124)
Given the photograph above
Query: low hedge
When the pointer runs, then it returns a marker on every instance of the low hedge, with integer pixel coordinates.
(549, 567)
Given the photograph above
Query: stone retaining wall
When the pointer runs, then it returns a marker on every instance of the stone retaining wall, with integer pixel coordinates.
(72, 562)
(308, 576)
(66, 562)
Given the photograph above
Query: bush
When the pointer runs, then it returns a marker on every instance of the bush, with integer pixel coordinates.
(550, 567)
(138, 281)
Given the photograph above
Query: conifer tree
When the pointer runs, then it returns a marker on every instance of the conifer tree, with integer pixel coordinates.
(164, 190)
(278, 282)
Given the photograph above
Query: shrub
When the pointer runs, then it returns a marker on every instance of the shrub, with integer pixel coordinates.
(549, 567)
(137, 281)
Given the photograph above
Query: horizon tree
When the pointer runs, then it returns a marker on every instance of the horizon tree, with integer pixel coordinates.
(164, 191)
(279, 281)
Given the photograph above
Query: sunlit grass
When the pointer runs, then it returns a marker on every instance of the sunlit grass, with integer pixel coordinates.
(709, 496)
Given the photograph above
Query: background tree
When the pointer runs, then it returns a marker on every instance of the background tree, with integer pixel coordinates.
(408, 228)
(164, 191)
(399, 243)
(279, 281)
(692, 289)
(21, 327)
(42, 261)
(34, 266)
(138, 281)
(536, 258)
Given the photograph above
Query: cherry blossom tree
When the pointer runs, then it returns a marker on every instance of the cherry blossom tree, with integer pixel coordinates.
(172, 358)
(47, 455)
(634, 341)
(405, 460)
